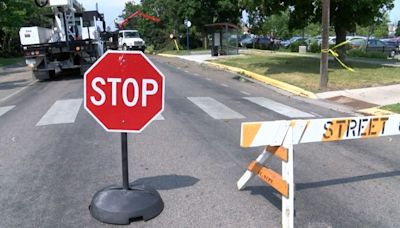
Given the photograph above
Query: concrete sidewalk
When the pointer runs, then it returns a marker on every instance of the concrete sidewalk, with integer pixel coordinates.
(382, 95)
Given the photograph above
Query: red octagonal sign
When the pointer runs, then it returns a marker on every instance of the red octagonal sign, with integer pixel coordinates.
(124, 91)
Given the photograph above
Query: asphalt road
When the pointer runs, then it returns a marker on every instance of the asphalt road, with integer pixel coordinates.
(51, 166)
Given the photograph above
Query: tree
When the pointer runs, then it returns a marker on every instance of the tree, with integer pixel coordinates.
(398, 29)
(277, 25)
(344, 15)
(172, 14)
(13, 15)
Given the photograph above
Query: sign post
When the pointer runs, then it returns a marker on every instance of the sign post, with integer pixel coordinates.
(124, 92)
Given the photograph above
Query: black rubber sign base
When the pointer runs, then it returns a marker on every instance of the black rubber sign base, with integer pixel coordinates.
(115, 205)
(121, 205)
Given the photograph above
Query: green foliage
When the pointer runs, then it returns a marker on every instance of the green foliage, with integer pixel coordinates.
(9, 61)
(377, 29)
(314, 47)
(360, 52)
(277, 25)
(172, 14)
(13, 15)
(398, 29)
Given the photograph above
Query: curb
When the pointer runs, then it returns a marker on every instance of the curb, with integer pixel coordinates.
(273, 82)
(376, 111)
(167, 55)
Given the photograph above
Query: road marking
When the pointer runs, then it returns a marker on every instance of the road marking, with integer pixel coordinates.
(224, 85)
(245, 93)
(5, 109)
(186, 71)
(278, 107)
(16, 92)
(196, 74)
(215, 109)
(315, 114)
(209, 79)
(63, 111)
(159, 117)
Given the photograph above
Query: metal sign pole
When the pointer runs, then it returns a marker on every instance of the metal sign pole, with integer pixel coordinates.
(125, 168)
(187, 37)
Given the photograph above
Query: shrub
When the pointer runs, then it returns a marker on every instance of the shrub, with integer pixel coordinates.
(360, 52)
(314, 47)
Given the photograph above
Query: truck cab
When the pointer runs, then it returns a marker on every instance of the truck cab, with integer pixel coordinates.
(130, 40)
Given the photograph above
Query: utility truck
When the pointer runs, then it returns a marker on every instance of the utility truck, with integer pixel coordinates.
(73, 42)
(130, 39)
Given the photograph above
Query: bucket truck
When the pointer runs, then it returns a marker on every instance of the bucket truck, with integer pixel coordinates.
(73, 42)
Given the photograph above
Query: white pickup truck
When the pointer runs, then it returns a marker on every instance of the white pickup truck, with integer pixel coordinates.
(130, 40)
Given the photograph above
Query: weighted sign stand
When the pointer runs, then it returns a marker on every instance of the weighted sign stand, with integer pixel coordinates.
(116, 205)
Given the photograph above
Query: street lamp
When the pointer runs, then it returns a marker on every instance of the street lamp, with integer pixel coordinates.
(187, 24)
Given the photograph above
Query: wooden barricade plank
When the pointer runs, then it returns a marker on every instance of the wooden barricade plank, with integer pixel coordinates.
(279, 151)
(270, 177)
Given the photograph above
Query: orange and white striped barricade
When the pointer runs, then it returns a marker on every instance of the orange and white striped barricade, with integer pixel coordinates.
(278, 138)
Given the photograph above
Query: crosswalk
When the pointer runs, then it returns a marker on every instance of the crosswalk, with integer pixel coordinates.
(66, 111)
(215, 109)
(4, 110)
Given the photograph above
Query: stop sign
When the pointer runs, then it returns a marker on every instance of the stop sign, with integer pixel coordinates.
(124, 91)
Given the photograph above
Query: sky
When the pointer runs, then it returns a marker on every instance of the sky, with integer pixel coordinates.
(110, 8)
(113, 8)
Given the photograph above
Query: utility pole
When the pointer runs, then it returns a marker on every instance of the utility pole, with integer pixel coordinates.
(323, 83)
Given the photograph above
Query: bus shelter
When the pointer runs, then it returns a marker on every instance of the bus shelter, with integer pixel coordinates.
(224, 38)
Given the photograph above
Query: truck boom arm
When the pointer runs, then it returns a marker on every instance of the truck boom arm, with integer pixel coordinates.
(136, 14)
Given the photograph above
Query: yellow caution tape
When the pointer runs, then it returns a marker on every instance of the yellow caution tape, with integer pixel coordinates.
(336, 55)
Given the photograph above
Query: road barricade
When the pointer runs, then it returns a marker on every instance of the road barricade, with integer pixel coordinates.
(278, 138)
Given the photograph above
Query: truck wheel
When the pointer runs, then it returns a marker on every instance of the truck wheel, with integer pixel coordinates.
(52, 74)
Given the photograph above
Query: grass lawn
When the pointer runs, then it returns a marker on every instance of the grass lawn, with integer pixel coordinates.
(9, 61)
(392, 108)
(303, 71)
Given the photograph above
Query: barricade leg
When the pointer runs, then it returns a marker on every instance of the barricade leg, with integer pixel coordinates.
(264, 157)
(287, 175)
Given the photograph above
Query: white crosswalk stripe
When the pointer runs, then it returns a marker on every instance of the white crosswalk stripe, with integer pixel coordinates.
(5, 109)
(278, 107)
(159, 117)
(62, 111)
(214, 108)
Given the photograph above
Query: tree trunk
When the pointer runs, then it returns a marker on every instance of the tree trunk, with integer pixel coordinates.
(9, 46)
(340, 38)
(4, 43)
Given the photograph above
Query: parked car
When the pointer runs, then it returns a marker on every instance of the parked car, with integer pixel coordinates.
(375, 46)
(287, 43)
(247, 42)
(262, 43)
